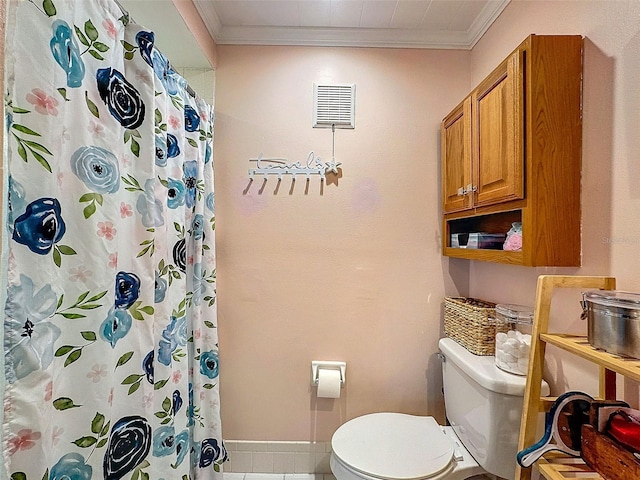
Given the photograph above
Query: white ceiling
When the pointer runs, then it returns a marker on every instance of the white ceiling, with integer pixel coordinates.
(371, 23)
(449, 24)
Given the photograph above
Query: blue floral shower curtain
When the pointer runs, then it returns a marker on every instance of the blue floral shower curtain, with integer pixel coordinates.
(110, 321)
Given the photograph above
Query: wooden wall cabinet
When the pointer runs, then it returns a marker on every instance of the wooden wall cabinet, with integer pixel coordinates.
(511, 152)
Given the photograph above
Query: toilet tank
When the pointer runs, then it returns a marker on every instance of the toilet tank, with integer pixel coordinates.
(483, 405)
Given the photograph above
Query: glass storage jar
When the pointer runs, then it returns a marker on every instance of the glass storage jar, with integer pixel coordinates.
(513, 337)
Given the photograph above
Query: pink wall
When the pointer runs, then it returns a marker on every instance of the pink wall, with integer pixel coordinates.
(610, 171)
(347, 271)
(353, 271)
(192, 18)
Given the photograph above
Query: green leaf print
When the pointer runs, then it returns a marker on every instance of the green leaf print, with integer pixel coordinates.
(64, 403)
(134, 185)
(73, 357)
(59, 250)
(18, 476)
(26, 147)
(93, 108)
(92, 198)
(96, 55)
(90, 336)
(49, 8)
(124, 359)
(149, 247)
(85, 442)
(97, 423)
(135, 309)
(82, 303)
(101, 47)
(91, 31)
(127, 46)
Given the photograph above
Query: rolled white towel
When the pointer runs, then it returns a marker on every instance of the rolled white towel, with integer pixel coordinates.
(510, 358)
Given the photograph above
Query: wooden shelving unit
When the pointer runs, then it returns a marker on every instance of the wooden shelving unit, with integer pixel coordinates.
(554, 466)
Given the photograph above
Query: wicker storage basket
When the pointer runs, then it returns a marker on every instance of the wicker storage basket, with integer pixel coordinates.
(471, 323)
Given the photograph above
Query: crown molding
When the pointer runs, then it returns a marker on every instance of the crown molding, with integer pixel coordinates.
(350, 37)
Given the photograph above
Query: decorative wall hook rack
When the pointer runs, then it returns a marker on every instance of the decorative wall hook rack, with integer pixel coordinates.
(281, 166)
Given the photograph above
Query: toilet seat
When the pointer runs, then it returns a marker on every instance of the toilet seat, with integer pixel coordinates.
(393, 446)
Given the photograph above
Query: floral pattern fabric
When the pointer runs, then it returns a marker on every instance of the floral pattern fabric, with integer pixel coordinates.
(111, 353)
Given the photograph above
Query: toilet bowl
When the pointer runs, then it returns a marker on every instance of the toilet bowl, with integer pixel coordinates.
(483, 405)
(396, 446)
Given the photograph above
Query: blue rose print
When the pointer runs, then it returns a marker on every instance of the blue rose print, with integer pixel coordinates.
(116, 326)
(17, 202)
(127, 289)
(208, 154)
(197, 227)
(66, 53)
(173, 149)
(164, 441)
(161, 151)
(71, 466)
(122, 98)
(191, 119)
(147, 366)
(145, 42)
(164, 72)
(176, 193)
(180, 254)
(173, 336)
(190, 171)
(211, 452)
(198, 285)
(129, 444)
(40, 226)
(182, 446)
(161, 289)
(177, 402)
(209, 364)
(149, 207)
(210, 202)
(29, 335)
(97, 167)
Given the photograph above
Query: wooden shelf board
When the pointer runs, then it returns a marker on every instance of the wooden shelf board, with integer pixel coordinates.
(567, 471)
(501, 256)
(578, 345)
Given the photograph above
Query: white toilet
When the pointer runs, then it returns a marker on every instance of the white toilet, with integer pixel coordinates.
(483, 405)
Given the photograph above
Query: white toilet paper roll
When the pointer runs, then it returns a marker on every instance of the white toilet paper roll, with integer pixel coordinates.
(328, 383)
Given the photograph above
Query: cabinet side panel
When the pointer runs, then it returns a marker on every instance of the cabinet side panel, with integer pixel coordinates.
(554, 149)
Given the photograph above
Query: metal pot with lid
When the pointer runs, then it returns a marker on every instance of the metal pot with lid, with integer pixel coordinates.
(613, 321)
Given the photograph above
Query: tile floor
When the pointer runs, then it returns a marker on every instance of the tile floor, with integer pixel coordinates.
(278, 476)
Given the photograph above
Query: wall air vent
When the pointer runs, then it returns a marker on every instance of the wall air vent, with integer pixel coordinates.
(334, 105)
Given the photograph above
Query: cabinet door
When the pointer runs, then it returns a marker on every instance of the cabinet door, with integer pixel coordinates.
(455, 148)
(498, 142)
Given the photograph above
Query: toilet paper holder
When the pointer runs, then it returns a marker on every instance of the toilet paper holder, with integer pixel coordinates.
(321, 364)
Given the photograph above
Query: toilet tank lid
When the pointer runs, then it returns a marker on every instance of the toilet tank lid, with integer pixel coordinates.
(482, 369)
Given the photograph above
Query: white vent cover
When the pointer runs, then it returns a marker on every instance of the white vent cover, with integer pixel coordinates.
(334, 105)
